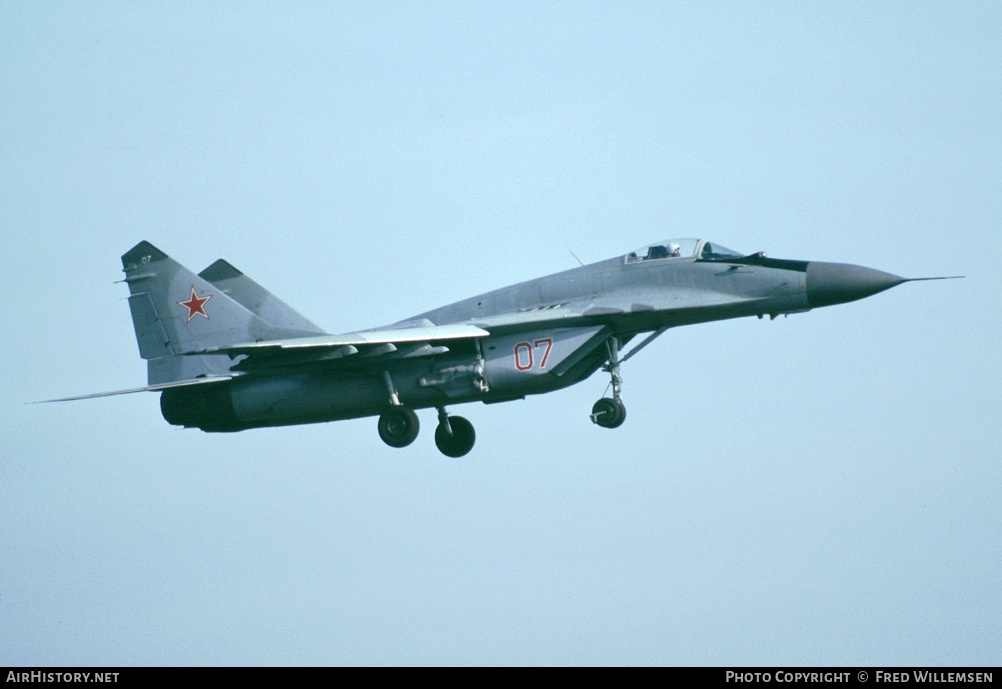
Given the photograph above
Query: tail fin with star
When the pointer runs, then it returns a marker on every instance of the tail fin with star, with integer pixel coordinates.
(175, 311)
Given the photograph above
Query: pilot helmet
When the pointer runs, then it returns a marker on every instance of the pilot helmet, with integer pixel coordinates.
(673, 249)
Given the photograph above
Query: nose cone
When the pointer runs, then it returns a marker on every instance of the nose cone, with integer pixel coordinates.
(837, 283)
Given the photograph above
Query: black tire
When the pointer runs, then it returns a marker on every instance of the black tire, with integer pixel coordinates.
(460, 442)
(398, 427)
(608, 413)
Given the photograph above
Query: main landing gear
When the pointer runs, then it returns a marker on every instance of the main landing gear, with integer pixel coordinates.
(610, 412)
(454, 436)
(399, 426)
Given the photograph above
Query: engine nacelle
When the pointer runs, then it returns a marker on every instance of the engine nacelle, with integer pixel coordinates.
(491, 370)
(259, 401)
(209, 407)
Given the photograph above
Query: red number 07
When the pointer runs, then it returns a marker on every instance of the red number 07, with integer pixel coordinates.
(524, 358)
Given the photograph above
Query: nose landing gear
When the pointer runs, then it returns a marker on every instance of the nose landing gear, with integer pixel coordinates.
(610, 412)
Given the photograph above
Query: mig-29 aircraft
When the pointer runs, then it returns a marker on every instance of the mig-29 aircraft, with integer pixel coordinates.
(227, 355)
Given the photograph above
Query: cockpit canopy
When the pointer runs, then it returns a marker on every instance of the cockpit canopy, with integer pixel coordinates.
(686, 247)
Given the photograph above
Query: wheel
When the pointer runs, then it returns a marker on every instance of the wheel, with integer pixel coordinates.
(460, 441)
(398, 427)
(608, 413)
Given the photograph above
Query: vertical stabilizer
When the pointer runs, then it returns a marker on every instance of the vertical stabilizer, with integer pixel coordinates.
(175, 311)
(257, 299)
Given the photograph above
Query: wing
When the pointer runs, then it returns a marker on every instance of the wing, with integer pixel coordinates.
(422, 339)
(419, 340)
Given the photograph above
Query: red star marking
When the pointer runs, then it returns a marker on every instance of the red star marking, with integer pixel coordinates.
(195, 304)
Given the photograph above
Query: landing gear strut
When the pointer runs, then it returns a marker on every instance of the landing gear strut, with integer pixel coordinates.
(455, 435)
(611, 412)
(398, 427)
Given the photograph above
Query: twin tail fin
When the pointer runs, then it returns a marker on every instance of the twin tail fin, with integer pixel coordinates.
(175, 311)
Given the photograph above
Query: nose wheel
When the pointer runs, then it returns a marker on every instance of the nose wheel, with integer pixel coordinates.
(610, 412)
(455, 435)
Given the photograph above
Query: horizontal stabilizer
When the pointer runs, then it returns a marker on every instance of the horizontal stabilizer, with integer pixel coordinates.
(149, 388)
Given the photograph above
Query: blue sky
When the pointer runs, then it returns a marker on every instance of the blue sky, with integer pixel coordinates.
(821, 489)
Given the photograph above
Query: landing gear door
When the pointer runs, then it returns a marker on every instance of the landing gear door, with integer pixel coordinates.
(517, 361)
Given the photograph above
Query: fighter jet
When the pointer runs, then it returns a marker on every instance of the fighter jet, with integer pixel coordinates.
(227, 355)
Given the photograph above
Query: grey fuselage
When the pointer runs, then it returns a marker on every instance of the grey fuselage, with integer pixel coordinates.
(545, 334)
(640, 296)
